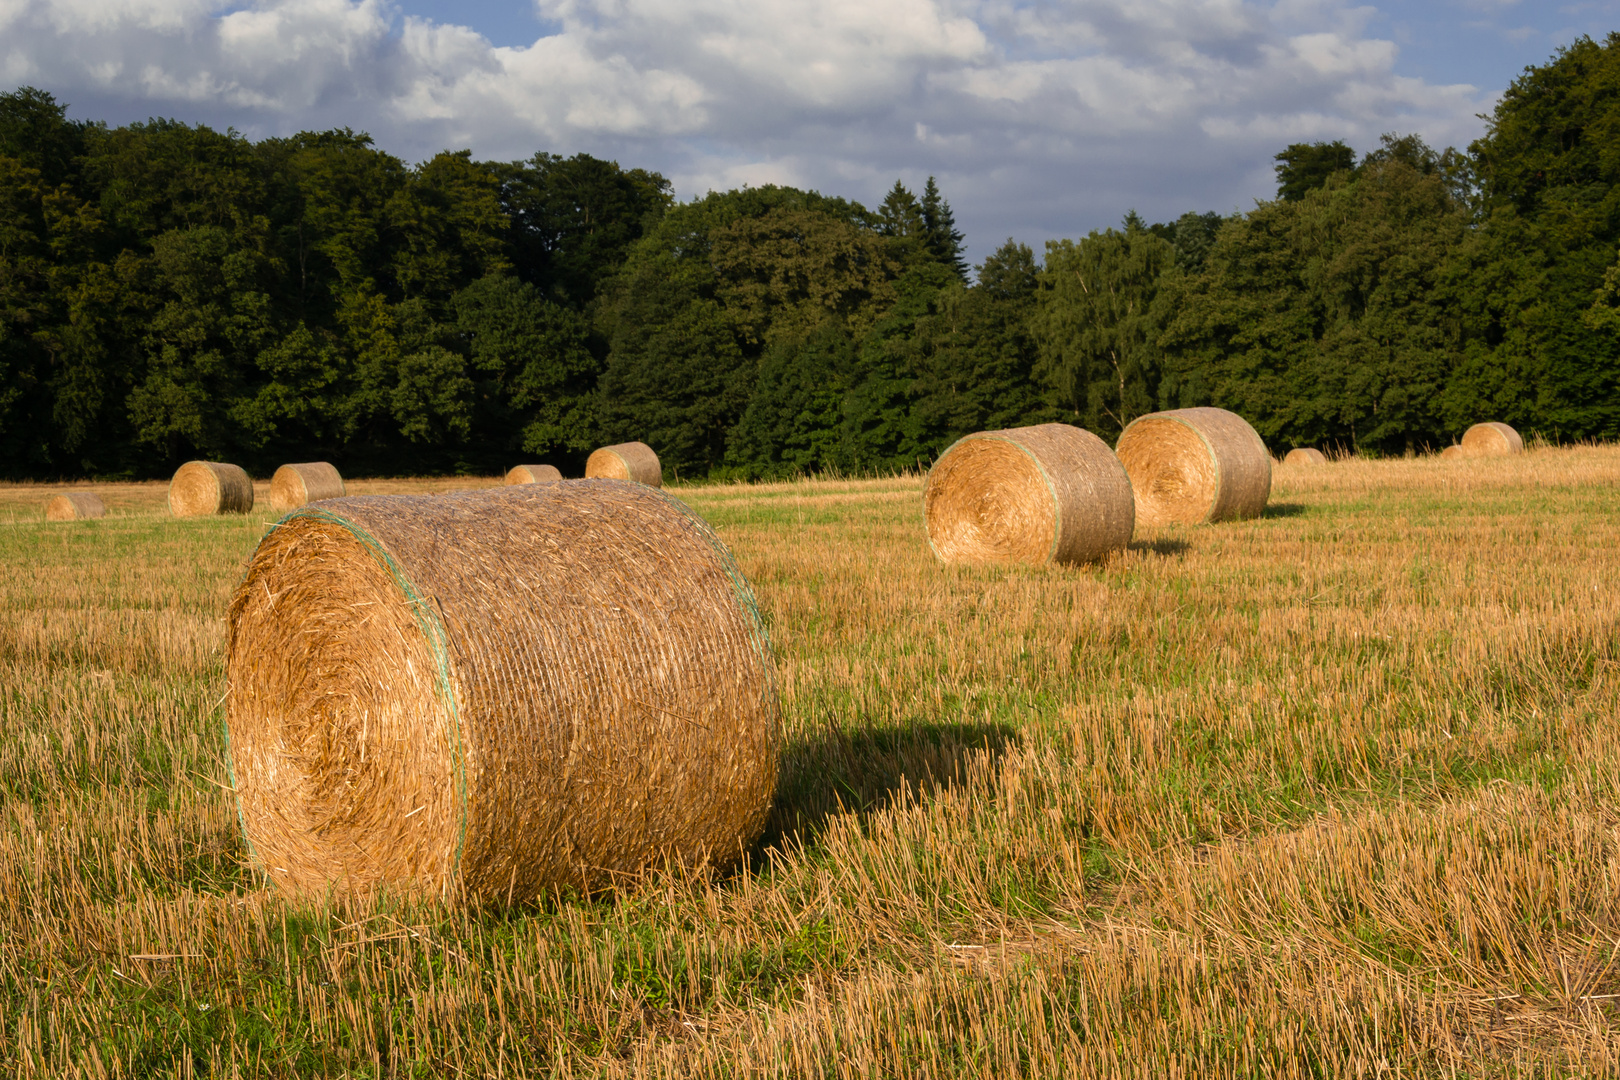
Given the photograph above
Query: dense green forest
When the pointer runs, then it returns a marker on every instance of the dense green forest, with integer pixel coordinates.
(168, 291)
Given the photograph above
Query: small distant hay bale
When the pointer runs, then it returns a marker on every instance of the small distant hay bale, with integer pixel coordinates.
(1305, 455)
(576, 687)
(1453, 451)
(299, 485)
(1044, 494)
(1491, 439)
(75, 506)
(201, 488)
(1192, 466)
(626, 461)
(533, 474)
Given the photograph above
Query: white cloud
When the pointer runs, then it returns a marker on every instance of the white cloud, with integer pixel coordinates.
(1040, 118)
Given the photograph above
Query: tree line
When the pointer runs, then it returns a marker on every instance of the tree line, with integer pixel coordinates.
(168, 291)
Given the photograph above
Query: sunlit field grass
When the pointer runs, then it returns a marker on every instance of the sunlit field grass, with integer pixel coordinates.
(1335, 792)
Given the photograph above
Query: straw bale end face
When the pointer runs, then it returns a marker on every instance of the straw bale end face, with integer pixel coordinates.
(1191, 466)
(533, 474)
(575, 688)
(1454, 450)
(76, 506)
(298, 485)
(1491, 439)
(1044, 494)
(626, 461)
(203, 488)
(1305, 456)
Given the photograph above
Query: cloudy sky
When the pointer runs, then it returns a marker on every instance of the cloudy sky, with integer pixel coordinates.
(1040, 119)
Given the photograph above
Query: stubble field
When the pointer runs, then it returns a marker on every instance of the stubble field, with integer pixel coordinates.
(1331, 793)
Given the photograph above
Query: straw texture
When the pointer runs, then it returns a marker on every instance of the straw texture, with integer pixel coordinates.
(1195, 465)
(1044, 494)
(200, 488)
(75, 506)
(1490, 439)
(626, 461)
(1305, 455)
(497, 691)
(1454, 450)
(299, 485)
(533, 474)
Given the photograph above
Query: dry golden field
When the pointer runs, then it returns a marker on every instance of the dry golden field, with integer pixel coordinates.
(1331, 793)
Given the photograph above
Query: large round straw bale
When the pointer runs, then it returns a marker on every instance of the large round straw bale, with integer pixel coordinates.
(1042, 494)
(533, 474)
(498, 691)
(1492, 439)
(1305, 455)
(1453, 450)
(75, 506)
(1195, 465)
(210, 487)
(299, 485)
(626, 461)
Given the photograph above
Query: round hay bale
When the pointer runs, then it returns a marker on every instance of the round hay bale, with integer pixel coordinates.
(1492, 439)
(299, 485)
(533, 474)
(576, 687)
(1305, 455)
(1453, 451)
(1195, 465)
(200, 488)
(626, 461)
(1044, 494)
(75, 506)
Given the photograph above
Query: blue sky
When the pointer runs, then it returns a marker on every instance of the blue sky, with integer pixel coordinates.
(1041, 118)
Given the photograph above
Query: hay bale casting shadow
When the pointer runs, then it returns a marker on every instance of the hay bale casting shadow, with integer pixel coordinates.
(75, 506)
(1491, 440)
(533, 474)
(1044, 494)
(497, 691)
(299, 485)
(626, 461)
(1192, 466)
(200, 488)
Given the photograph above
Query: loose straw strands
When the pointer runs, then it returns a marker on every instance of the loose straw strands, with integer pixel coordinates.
(578, 686)
(1305, 455)
(1045, 494)
(75, 506)
(626, 461)
(533, 474)
(1195, 465)
(299, 485)
(1491, 439)
(201, 488)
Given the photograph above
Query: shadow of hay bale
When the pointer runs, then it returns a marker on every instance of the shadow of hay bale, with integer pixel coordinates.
(1284, 510)
(1162, 546)
(839, 771)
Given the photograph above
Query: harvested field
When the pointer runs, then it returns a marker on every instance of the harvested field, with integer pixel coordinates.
(1329, 792)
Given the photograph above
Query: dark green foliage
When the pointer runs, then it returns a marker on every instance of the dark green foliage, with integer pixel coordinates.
(1304, 167)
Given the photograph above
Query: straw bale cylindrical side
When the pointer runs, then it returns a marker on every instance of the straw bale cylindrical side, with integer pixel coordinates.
(1491, 439)
(497, 692)
(626, 461)
(1305, 455)
(200, 488)
(1044, 494)
(299, 485)
(1195, 465)
(1453, 450)
(533, 474)
(75, 506)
